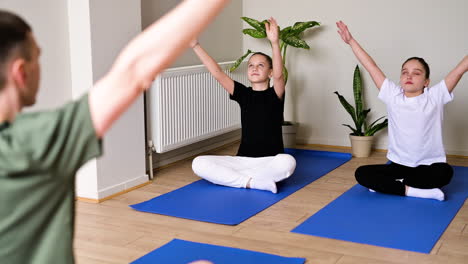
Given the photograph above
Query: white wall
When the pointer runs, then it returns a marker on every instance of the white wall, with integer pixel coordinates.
(79, 29)
(390, 31)
(48, 18)
(222, 38)
(114, 23)
(97, 35)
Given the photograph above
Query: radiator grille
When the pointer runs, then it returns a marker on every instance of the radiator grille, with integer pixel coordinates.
(187, 105)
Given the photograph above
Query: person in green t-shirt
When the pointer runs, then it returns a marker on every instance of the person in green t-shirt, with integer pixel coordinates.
(40, 152)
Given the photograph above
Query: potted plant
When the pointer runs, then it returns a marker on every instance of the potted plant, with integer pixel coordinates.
(289, 36)
(362, 134)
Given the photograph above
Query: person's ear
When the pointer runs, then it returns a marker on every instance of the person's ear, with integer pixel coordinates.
(17, 72)
(428, 81)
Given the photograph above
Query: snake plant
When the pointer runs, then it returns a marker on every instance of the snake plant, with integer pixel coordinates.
(289, 36)
(358, 113)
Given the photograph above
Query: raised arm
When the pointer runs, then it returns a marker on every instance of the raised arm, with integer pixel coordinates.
(213, 67)
(145, 57)
(456, 74)
(273, 36)
(377, 75)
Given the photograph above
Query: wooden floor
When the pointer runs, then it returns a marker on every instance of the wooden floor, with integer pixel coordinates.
(111, 232)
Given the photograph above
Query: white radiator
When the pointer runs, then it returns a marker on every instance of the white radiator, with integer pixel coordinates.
(187, 105)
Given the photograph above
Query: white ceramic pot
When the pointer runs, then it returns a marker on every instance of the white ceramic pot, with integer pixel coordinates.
(361, 145)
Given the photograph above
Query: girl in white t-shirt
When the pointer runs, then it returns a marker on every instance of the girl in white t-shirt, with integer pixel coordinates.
(418, 165)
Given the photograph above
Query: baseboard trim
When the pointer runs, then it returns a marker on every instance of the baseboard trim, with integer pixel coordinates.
(89, 200)
(458, 156)
(378, 150)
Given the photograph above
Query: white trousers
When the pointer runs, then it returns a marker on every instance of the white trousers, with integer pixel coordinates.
(236, 171)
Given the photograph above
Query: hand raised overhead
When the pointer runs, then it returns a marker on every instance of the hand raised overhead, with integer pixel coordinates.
(344, 32)
(272, 30)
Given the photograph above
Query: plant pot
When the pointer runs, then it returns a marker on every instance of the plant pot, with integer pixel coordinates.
(361, 145)
(289, 134)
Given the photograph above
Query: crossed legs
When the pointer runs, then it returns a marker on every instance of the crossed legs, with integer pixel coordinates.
(245, 172)
(423, 181)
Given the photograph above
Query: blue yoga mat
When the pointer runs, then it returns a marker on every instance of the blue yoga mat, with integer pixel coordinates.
(392, 221)
(204, 201)
(183, 252)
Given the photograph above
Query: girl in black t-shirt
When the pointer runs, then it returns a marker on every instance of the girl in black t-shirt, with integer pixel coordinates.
(259, 163)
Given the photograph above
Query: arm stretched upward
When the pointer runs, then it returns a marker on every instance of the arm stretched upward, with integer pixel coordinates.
(213, 67)
(146, 56)
(456, 74)
(369, 64)
(273, 36)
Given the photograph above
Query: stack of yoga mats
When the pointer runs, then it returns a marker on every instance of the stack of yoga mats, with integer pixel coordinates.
(204, 201)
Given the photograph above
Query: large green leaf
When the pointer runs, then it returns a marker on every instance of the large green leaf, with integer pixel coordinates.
(260, 26)
(361, 120)
(295, 42)
(239, 61)
(357, 90)
(285, 32)
(299, 27)
(377, 120)
(349, 108)
(254, 33)
(374, 128)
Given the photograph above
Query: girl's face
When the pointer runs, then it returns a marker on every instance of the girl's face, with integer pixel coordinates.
(413, 78)
(259, 70)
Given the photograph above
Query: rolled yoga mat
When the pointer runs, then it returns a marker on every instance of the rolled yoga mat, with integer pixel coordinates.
(208, 202)
(392, 221)
(183, 252)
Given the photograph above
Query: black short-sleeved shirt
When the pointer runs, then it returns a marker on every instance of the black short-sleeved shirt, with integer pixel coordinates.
(39, 156)
(261, 119)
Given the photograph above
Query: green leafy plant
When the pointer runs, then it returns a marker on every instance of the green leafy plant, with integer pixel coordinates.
(289, 36)
(358, 113)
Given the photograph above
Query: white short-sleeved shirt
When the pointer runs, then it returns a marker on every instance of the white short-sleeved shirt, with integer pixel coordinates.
(415, 124)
